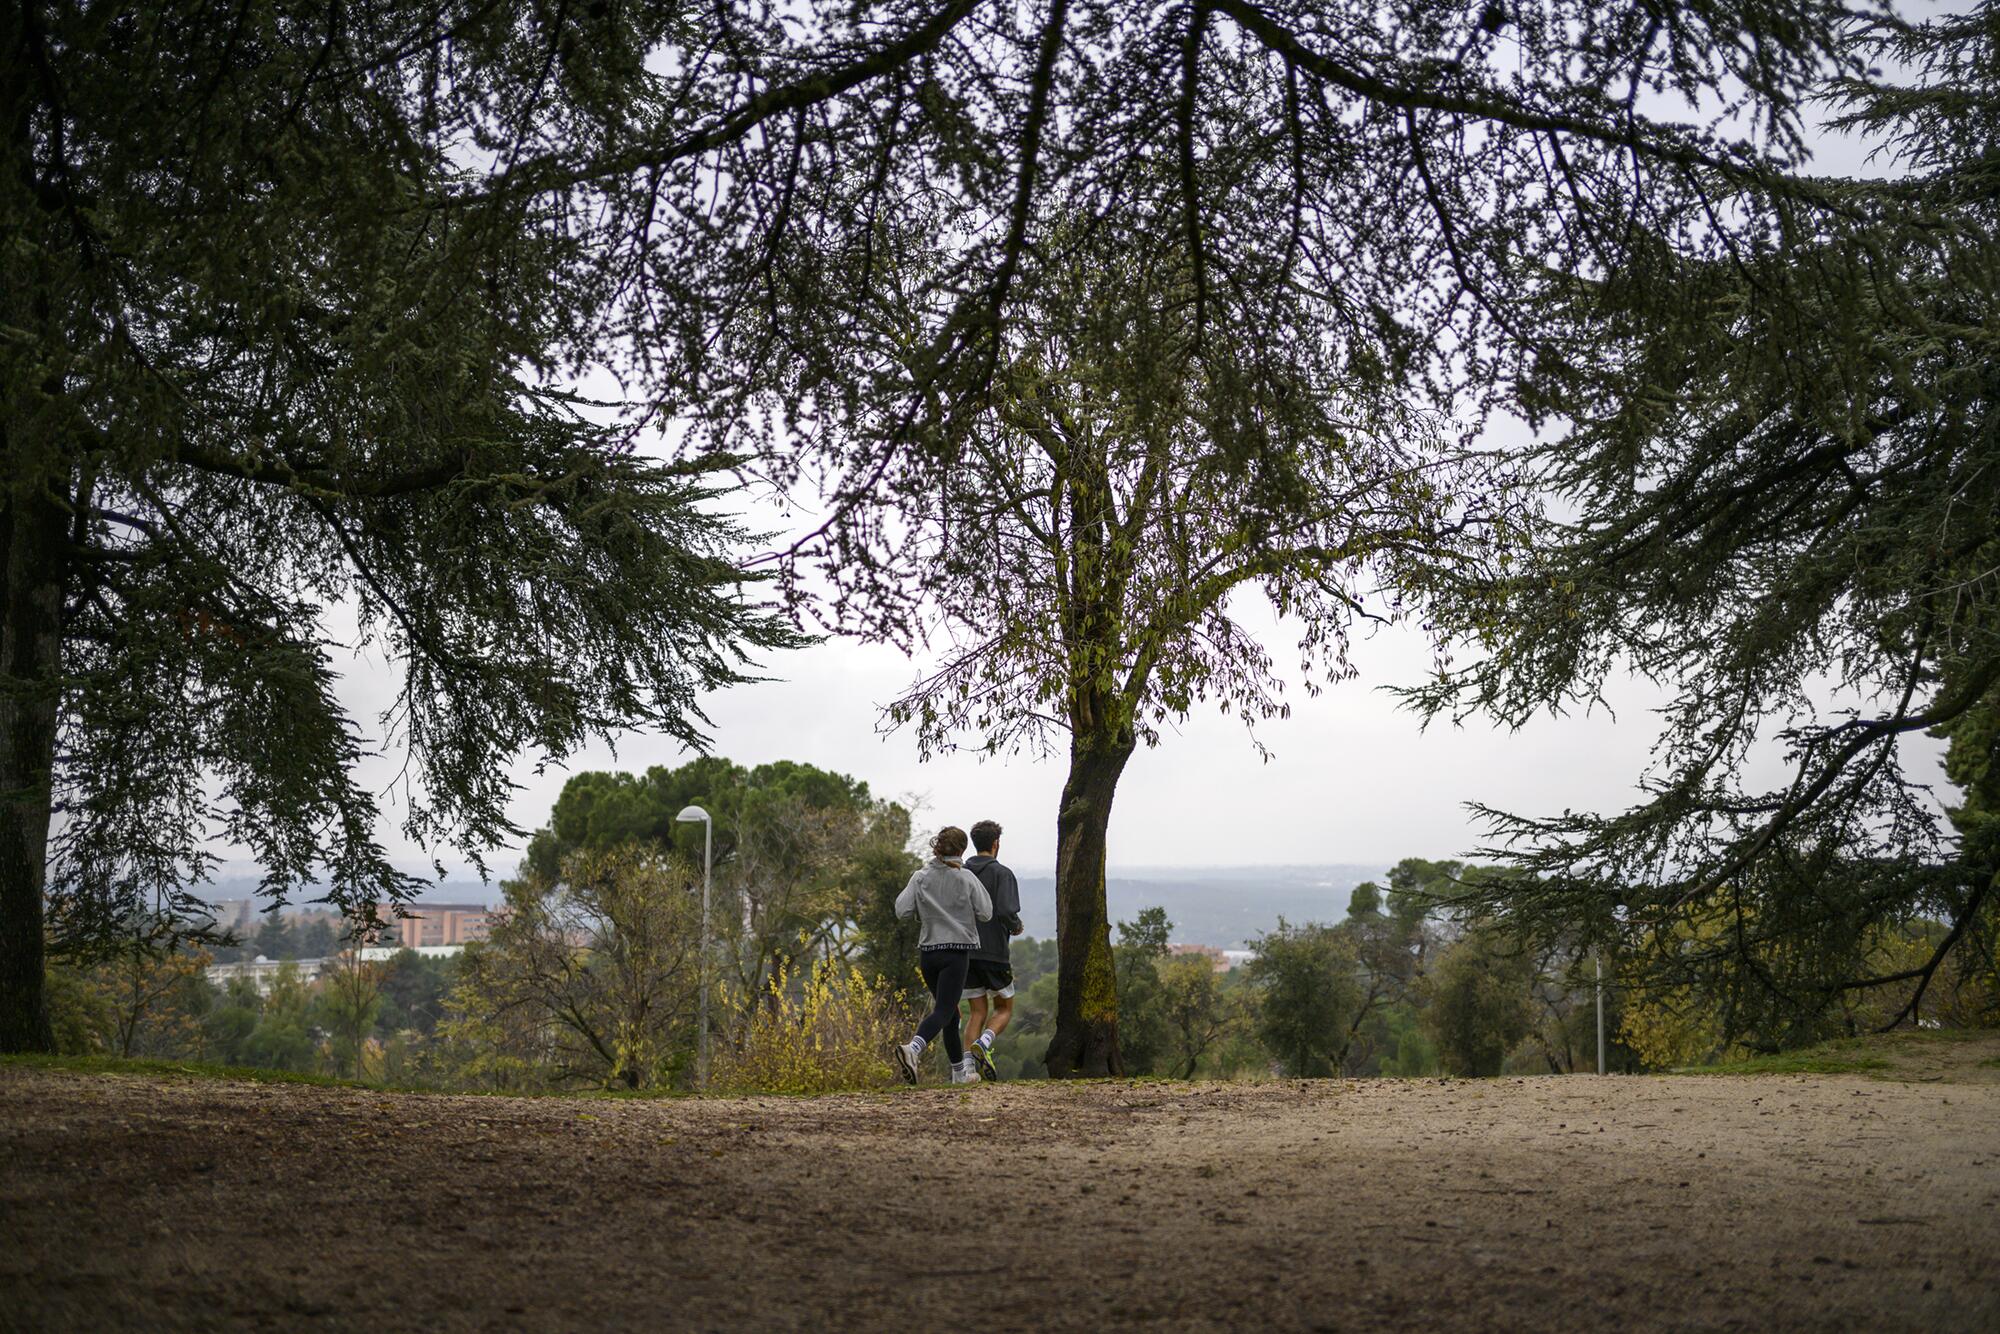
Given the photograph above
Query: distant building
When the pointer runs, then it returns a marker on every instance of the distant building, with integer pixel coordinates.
(383, 953)
(1217, 958)
(263, 972)
(434, 924)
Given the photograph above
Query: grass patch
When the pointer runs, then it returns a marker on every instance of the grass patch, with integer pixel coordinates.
(1906, 1050)
(1925, 1037)
(1806, 1061)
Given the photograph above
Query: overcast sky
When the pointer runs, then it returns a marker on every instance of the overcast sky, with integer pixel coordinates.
(1352, 779)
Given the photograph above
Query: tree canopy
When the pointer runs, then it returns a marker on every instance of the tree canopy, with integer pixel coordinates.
(273, 385)
(292, 293)
(1388, 191)
(848, 247)
(802, 857)
(1783, 498)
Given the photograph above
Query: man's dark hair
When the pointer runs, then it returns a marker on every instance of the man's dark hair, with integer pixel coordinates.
(984, 835)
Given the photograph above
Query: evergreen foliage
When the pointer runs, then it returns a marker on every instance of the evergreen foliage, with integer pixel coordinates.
(1480, 1002)
(1197, 1014)
(1145, 1037)
(803, 858)
(273, 382)
(290, 298)
(1305, 977)
(1781, 463)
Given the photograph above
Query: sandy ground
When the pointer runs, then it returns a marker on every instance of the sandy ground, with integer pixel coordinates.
(1797, 1202)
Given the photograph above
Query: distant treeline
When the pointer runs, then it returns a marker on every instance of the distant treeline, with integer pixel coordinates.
(594, 971)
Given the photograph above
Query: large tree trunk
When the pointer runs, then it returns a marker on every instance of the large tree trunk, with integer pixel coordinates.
(33, 535)
(1086, 1037)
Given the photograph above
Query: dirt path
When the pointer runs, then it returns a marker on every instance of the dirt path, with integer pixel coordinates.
(1830, 1202)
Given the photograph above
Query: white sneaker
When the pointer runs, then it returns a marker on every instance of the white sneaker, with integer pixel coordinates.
(907, 1057)
(965, 1072)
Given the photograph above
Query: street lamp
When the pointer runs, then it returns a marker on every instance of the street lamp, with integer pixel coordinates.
(688, 815)
(1597, 959)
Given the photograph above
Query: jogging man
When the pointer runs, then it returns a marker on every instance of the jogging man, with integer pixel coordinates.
(990, 976)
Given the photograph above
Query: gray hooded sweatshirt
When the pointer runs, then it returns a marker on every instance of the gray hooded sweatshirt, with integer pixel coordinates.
(949, 902)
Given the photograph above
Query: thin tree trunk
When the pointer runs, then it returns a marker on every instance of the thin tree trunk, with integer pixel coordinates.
(33, 533)
(1086, 1037)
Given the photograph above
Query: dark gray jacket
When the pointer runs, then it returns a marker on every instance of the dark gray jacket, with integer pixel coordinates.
(1006, 893)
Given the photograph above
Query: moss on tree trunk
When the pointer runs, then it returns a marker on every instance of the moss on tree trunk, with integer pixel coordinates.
(1086, 1037)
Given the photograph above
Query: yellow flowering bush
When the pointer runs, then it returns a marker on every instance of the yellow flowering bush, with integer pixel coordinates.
(832, 1031)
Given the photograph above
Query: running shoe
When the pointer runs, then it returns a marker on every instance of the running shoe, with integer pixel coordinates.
(963, 1072)
(906, 1061)
(983, 1058)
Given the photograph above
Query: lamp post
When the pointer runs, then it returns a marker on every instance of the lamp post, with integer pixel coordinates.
(1597, 959)
(688, 815)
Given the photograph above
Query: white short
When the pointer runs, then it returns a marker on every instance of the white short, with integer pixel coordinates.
(980, 993)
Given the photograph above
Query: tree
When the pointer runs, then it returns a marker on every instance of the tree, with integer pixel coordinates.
(1141, 949)
(601, 811)
(241, 315)
(811, 856)
(1425, 169)
(886, 945)
(275, 938)
(1304, 978)
(602, 964)
(1479, 1001)
(281, 1040)
(1407, 1051)
(802, 855)
(1105, 257)
(228, 1026)
(1564, 990)
(1019, 1056)
(1784, 506)
(316, 938)
(153, 994)
(80, 1014)
(351, 1001)
(413, 991)
(832, 243)
(273, 381)
(142, 1000)
(1972, 761)
(1391, 948)
(1101, 500)
(1196, 1013)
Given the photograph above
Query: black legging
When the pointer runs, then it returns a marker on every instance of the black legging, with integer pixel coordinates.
(944, 974)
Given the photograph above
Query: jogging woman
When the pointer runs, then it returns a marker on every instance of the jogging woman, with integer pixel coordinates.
(949, 903)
